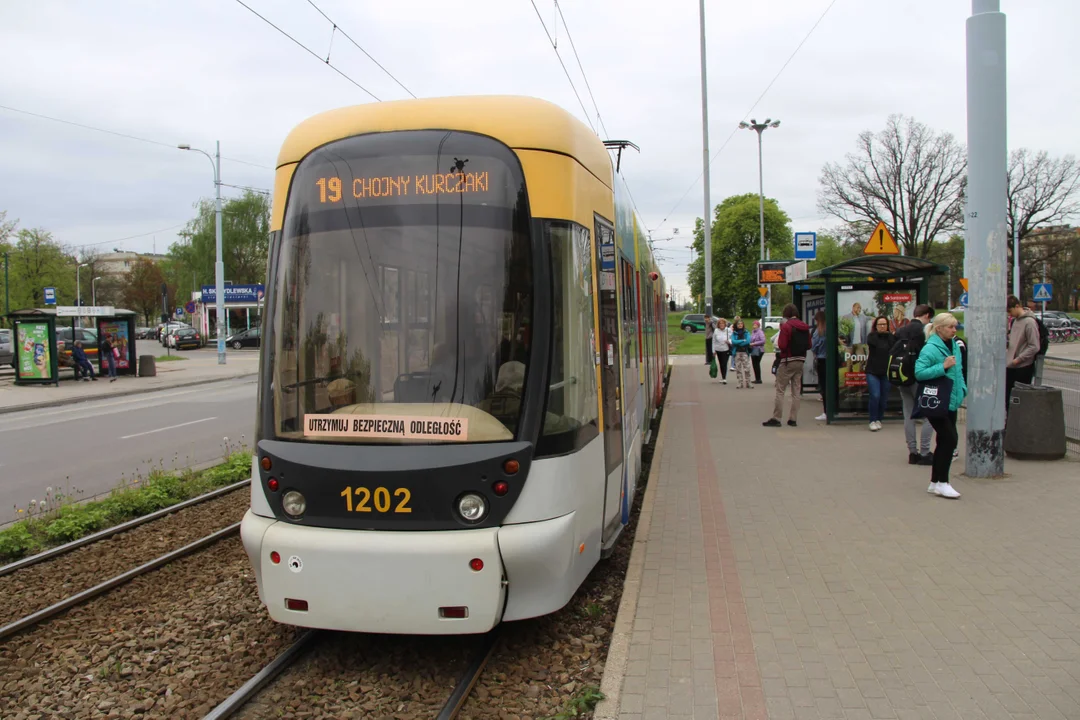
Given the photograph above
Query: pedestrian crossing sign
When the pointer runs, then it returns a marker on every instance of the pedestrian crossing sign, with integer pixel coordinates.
(1044, 292)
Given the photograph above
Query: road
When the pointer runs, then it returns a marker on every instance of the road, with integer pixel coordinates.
(91, 447)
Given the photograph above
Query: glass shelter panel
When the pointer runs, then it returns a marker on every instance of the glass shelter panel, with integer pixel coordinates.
(856, 312)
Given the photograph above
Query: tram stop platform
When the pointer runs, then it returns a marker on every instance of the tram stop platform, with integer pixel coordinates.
(806, 573)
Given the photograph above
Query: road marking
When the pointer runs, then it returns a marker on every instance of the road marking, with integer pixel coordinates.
(171, 427)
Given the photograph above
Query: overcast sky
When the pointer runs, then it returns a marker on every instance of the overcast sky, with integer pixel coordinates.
(203, 70)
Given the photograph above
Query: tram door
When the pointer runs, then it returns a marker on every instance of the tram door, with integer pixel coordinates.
(609, 377)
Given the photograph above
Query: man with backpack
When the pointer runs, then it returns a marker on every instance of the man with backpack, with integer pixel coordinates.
(792, 342)
(1025, 345)
(909, 342)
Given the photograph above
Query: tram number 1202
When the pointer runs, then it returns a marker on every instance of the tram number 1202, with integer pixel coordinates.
(380, 498)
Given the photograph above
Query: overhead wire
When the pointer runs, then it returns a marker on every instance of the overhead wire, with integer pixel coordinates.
(337, 28)
(759, 99)
(567, 72)
(599, 119)
(119, 134)
(130, 237)
(311, 52)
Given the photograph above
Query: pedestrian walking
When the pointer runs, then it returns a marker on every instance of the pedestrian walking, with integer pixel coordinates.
(939, 360)
(818, 345)
(757, 349)
(105, 352)
(1023, 347)
(710, 327)
(721, 342)
(740, 342)
(905, 352)
(880, 342)
(793, 342)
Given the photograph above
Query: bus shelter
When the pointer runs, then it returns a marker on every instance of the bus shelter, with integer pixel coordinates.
(40, 351)
(853, 294)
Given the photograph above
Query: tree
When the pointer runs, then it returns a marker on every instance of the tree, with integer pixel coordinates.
(907, 175)
(38, 261)
(736, 238)
(142, 289)
(1042, 193)
(245, 241)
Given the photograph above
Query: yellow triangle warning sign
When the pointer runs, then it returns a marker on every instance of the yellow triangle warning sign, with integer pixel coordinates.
(763, 290)
(881, 242)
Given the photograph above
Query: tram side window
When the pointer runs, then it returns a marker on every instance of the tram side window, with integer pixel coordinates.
(572, 409)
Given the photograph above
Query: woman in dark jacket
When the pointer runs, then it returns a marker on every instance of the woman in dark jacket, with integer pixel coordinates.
(880, 342)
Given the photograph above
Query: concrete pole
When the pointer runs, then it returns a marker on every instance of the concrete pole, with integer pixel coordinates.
(761, 214)
(1016, 262)
(705, 160)
(219, 266)
(985, 256)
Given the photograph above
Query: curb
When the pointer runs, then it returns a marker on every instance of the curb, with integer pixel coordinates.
(618, 653)
(121, 393)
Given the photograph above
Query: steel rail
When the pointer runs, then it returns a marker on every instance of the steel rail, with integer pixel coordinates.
(107, 532)
(468, 680)
(78, 598)
(232, 704)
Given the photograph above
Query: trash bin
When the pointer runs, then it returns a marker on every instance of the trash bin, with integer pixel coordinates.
(147, 366)
(1036, 424)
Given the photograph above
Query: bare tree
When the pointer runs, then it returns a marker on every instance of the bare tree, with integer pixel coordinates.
(906, 175)
(1044, 192)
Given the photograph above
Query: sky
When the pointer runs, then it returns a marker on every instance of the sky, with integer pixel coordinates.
(201, 71)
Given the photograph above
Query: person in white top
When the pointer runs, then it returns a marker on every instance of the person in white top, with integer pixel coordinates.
(721, 345)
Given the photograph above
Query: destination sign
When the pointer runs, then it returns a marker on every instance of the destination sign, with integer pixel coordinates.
(333, 190)
(772, 272)
(388, 427)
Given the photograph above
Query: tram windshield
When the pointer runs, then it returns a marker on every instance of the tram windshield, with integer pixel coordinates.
(403, 292)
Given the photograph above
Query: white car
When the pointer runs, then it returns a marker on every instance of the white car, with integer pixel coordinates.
(773, 322)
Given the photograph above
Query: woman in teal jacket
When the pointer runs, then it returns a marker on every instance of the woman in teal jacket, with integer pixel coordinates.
(940, 357)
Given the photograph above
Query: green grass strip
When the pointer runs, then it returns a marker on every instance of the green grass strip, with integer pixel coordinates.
(48, 527)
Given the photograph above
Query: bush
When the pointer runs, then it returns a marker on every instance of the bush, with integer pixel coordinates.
(159, 490)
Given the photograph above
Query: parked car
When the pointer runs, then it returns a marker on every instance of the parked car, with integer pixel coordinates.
(145, 333)
(7, 348)
(773, 322)
(692, 323)
(88, 336)
(185, 338)
(244, 338)
(166, 329)
(1066, 319)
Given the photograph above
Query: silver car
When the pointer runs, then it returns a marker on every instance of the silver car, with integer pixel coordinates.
(7, 349)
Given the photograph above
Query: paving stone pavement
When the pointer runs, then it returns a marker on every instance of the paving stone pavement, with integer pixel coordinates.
(806, 573)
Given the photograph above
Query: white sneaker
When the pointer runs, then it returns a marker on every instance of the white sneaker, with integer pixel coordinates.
(724, 381)
(878, 423)
(946, 490)
(932, 489)
(873, 427)
(821, 417)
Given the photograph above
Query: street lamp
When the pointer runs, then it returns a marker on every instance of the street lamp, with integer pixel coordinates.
(219, 265)
(78, 289)
(93, 291)
(761, 128)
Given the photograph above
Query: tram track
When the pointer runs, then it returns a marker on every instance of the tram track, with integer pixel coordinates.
(55, 576)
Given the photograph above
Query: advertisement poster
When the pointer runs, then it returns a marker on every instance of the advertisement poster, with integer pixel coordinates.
(35, 362)
(119, 334)
(856, 311)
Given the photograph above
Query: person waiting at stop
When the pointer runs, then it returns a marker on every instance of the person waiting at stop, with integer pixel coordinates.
(78, 356)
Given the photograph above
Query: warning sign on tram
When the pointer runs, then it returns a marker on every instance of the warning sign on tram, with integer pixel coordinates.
(386, 427)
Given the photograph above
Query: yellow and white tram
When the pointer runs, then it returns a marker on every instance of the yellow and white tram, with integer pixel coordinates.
(464, 339)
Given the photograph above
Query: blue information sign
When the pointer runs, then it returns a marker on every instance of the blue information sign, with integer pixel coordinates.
(1044, 292)
(179, 313)
(762, 303)
(50, 296)
(805, 246)
(963, 299)
(234, 294)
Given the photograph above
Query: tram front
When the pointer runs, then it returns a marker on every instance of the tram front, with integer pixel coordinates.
(401, 384)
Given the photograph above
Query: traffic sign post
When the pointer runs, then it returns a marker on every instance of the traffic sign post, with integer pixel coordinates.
(805, 246)
(179, 313)
(1044, 292)
(881, 242)
(762, 303)
(963, 299)
(50, 296)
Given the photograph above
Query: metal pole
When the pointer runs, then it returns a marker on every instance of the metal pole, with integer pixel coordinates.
(1043, 302)
(7, 287)
(78, 292)
(986, 239)
(1016, 262)
(761, 215)
(705, 160)
(219, 266)
(948, 303)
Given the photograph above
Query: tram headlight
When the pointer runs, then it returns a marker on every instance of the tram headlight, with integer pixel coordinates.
(472, 507)
(294, 504)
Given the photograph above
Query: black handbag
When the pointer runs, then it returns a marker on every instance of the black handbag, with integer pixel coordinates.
(932, 398)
